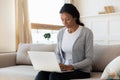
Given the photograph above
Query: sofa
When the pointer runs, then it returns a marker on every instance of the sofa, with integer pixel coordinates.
(17, 65)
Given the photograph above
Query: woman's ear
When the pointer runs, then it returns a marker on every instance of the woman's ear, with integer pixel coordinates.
(75, 18)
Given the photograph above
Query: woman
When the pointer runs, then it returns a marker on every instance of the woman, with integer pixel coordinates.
(74, 48)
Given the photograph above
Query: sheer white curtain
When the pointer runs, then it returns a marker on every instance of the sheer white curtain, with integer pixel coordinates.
(23, 27)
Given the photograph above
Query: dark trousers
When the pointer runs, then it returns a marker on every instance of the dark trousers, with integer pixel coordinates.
(44, 75)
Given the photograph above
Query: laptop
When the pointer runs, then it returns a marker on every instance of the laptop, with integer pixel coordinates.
(44, 61)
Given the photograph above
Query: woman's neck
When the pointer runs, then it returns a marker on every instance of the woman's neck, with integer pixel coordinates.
(73, 29)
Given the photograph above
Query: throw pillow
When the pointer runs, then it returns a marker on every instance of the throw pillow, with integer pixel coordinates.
(22, 56)
(22, 53)
(112, 70)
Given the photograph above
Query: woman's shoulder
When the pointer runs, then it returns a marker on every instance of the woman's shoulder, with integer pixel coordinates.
(86, 29)
(62, 30)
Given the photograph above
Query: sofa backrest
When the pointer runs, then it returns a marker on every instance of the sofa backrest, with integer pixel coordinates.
(103, 54)
(22, 55)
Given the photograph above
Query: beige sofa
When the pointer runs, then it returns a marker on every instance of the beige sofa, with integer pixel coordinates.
(18, 66)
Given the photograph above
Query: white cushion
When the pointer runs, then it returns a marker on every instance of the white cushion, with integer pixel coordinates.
(112, 70)
(22, 55)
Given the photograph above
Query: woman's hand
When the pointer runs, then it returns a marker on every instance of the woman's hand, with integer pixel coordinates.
(66, 67)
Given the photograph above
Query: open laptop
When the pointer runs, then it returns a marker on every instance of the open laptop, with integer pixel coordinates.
(44, 61)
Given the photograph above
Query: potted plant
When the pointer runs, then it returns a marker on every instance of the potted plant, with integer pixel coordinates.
(47, 36)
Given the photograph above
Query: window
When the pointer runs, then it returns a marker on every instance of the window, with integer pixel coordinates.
(43, 15)
(38, 31)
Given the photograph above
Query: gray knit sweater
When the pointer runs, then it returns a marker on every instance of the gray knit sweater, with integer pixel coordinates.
(81, 52)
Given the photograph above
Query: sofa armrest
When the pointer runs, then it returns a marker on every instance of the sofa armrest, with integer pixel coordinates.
(7, 59)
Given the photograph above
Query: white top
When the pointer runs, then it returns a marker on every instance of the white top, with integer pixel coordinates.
(67, 44)
(82, 52)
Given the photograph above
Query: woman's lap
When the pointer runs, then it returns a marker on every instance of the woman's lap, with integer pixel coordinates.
(44, 75)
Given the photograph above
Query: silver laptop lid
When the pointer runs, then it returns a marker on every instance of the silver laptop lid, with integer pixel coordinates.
(44, 61)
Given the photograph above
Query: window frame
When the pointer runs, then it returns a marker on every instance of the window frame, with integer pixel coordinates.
(46, 26)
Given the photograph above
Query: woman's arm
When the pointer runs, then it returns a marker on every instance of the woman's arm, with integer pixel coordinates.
(88, 50)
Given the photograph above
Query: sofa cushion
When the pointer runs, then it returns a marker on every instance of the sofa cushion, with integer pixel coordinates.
(112, 70)
(103, 54)
(24, 72)
(21, 72)
(22, 55)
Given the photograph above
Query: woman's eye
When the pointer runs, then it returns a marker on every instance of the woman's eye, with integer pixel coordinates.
(68, 19)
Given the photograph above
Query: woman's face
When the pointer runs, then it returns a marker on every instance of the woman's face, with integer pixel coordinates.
(68, 20)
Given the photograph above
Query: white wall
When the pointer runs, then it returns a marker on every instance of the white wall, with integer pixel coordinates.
(92, 7)
(105, 27)
(7, 25)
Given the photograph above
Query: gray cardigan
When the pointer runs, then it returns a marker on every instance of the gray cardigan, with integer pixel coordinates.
(81, 52)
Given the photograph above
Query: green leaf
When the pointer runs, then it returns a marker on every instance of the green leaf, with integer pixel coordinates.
(47, 36)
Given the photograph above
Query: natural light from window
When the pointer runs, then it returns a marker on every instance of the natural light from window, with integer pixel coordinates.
(45, 12)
